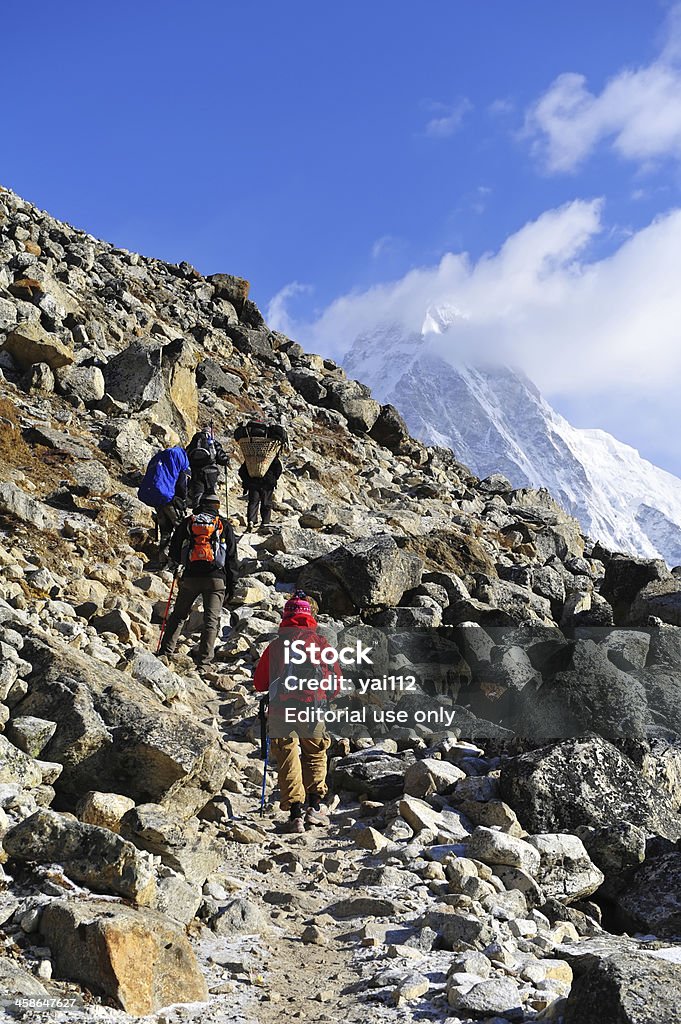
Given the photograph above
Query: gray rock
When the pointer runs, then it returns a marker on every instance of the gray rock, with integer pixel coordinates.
(363, 906)
(493, 847)
(661, 599)
(566, 870)
(239, 916)
(625, 576)
(18, 983)
(390, 430)
(210, 375)
(494, 996)
(428, 776)
(95, 856)
(82, 383)
(361, 574)
(40, 379)
(624, 989)
(617, 850)
(353, 401)
(652, 899)
(30, 734)
(151, 827)
(159, 755)
(159, 378)
(16, 766)
(16, 503)
(583, 782)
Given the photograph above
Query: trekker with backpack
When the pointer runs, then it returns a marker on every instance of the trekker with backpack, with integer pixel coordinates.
(164, 488)
(205, 454)
(300, 752)
(205, 545)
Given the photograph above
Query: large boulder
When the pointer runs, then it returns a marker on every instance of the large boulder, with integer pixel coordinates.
(159, 379)
(30, 343)
(651, 901)
(577, 782)
(233, 289)
(100, 859)
(590, 693)
(390, 430)
(138, 957)
(625, 988)
(18, 505)
(115, 736)
(353, 400)
(378, 774)
(82, 383)
(566, 871)
(363, 574)
(152, 828)
(662, 599)
(625, 576)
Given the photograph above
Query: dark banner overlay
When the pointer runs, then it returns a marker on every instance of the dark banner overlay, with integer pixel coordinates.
(531, 682)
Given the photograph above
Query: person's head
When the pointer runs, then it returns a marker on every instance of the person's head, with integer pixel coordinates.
(297, 604)
(211, 501)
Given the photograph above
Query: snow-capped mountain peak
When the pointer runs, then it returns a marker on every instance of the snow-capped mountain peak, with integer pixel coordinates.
(496, 420)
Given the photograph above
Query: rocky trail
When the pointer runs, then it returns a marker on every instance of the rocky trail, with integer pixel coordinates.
(521, 864)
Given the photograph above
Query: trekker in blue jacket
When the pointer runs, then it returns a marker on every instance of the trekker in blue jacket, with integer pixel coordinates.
(164, 489)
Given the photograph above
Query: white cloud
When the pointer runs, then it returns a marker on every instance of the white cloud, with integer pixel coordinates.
(447, 119)
(638, 112)
(278, 316)
(385, 245)
(577, 325)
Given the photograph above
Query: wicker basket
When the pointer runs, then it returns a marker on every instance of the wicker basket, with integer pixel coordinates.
(259, 453)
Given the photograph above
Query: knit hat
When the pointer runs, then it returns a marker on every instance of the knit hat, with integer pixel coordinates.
(211, 498)
(297, 604)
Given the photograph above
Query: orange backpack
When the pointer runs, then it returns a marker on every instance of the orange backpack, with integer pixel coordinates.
(206, 542)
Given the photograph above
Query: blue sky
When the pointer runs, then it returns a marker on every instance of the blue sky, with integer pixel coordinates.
(338, 146)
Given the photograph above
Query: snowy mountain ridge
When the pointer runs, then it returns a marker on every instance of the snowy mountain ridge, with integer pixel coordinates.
(496, 420)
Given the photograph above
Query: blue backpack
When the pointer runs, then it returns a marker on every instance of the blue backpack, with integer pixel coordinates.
(160, 479)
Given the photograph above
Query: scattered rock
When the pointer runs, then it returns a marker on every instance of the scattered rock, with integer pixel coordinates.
(138, 957)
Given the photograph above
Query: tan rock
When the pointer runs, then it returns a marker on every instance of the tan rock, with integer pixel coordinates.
(29, 343)
(138, 957)
(104, 809)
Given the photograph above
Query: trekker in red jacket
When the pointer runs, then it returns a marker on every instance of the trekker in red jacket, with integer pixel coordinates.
(300, 755)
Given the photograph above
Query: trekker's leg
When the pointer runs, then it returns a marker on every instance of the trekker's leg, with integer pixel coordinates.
(286, 752)
(166, 518)
(314, 763)
(266, 505)
(291, 789)
(253, 502)
(213, 591)
(186, 595)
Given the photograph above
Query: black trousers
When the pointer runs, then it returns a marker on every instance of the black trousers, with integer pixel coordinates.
(259, 497)
(167, 518)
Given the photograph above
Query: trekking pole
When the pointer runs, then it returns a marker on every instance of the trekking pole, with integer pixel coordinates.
(264, 748)
(165, 614)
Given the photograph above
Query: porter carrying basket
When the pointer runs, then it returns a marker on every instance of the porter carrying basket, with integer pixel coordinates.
(259, 453)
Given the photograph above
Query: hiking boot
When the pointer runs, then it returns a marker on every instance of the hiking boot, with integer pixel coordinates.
(317, 813)
(296, 822)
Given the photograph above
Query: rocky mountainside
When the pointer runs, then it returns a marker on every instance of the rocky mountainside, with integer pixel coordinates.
(496, 421)
(522, 865)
